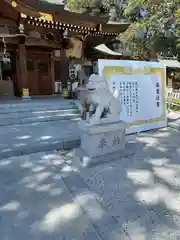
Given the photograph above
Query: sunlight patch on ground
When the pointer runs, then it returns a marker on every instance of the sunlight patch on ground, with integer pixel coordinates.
(62, 214)
(23, 137)
(20, 144)
(150, 141)
(89, 201)
(37, 169)
(5, 163)
(67, 169)
(170, 175)
(27, 165)
(42, 176)
(159, 161)
(31, 185)
(55, 192)
(6, 150)
(33, 181)
(161, 149)
(11, 206)
(141, 176)
(57, 177)
(162, 134)
(56, 159)
(43, 188)
(23, 214)
(172, 202)
(52, 156)
(45, 137)
(165, 173)
(152, 195)
(45, 157)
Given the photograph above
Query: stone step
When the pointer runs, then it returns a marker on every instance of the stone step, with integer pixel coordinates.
(38, 119)
(175, 124)
(37, 125)
(6, 108)
(34, 111)
(174, 120)
(38, 113)
(16, 140)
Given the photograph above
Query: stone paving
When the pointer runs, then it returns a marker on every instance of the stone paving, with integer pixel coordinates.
(36, 204)
(48, 196)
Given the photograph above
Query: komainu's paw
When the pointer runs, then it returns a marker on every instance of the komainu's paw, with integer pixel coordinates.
(93, 119)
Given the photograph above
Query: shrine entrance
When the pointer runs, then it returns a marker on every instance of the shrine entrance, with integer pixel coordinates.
(39, 73)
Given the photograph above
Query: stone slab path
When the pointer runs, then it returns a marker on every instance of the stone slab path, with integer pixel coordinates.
(36, 204)
(46, 196)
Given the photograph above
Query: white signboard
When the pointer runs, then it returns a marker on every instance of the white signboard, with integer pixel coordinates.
(142, 86)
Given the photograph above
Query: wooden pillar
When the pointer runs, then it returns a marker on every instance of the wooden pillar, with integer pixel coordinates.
(52, 73)
(64, 67)
(23, 76)
(22, 60)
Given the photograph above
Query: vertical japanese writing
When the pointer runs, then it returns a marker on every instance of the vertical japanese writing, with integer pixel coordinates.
(123, 93)
(116, 141)
(130, 98)
(157, 94)
(129, 90)
(102, 144)
(127, 97)
(121, 88)
(114, 86)
(133, 93)
(136, 97)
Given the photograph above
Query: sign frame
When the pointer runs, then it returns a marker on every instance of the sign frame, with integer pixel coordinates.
(109, 67)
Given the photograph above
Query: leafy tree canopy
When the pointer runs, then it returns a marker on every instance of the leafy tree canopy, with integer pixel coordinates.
(154, 27)
(76, 5)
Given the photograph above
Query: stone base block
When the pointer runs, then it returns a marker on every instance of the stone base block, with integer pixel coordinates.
(81, 160)
(98, 140)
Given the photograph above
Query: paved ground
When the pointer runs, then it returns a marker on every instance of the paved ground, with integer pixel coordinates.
(35, 137)
(43, 196)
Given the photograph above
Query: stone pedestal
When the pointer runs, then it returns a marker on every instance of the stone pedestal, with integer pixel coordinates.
(98, 140)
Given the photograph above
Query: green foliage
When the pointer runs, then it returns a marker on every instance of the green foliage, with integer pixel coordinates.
(154, 28)
(178, 27)
(175, 106)
(76, 5)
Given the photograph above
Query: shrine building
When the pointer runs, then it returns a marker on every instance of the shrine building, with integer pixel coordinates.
(42, 44)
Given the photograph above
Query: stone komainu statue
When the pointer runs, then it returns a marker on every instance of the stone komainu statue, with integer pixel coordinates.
(106, 106)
